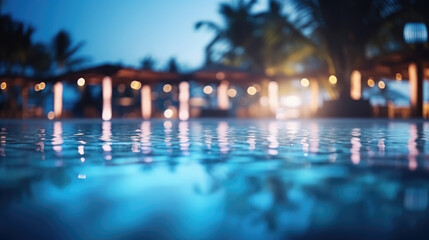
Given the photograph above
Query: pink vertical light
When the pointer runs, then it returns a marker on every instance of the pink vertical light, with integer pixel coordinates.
(222, 96)
(184, 101)
(107, 98)
(355, 85)
(146, 101)
(58, 99)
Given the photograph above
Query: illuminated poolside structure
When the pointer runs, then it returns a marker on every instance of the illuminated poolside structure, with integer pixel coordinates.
(215, 91)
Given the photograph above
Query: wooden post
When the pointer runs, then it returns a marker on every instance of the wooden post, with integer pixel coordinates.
(415, 72)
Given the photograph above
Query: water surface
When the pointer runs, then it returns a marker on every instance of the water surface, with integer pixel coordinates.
(214, 179)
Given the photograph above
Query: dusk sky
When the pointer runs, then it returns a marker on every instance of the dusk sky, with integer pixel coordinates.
(124, 32)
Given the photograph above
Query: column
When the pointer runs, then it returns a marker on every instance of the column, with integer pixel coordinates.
(146, 101)
(107, 98)
(222, 95)
(355, 85)
(184, 101)
(415, 72)
(58, 99)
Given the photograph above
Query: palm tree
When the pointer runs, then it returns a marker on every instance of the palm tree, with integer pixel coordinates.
(64, 52)
(40, 59)
(148, 63)
(15, 44)
(265, 41)
(237, 33)
(342, 29)
(172, 65)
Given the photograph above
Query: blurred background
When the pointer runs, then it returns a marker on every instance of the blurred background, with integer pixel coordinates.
(214, 58)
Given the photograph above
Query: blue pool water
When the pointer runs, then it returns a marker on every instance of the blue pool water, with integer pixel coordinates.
(214, 179)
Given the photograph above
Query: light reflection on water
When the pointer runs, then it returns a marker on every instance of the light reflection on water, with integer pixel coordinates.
(211, 179)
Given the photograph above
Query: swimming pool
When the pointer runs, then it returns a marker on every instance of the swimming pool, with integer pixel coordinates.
(214, 179)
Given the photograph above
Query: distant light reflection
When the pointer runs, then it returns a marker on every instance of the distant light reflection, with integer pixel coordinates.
(145, 133)
(57, 139)
(413, 152)
(273, 143)
(3, 134)
(183, 137)
(106, 137)
(314, 138)
(356, 145)
(416, 199)
(251, 139)
(40, 145)
(167, 131)
(222, 133)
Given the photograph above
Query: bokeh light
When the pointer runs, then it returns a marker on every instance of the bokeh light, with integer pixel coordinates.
(398, 76)
(333, 79)
(81, 82)
(136, 85)
(167, 88)
(305, 82)
(51, 115)
(232, 92)
(207, 89)
(371, 82)
(251, 90)
(3, 85)
(168, 113)
(42, 85)
(381, 85)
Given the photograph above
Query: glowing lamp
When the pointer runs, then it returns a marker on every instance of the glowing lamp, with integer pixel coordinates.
(371, 82)
(333, 79)
(251, 90)
(81, 82)
(167, 88)
(207, 89)
(305, 82)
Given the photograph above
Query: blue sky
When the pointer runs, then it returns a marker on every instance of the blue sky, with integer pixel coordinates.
(125, 31)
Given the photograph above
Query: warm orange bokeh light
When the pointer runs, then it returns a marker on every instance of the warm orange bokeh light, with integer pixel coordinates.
(371, 82)
(333, 79)
(167, 88)
(251, 90)
(305, 82)
(3, 85)
(207, 89)
(136, 85)
(232, 92)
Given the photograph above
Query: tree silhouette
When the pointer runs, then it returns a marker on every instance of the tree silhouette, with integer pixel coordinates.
(342, 29)
(15, 44)
(265, 41)
(172, 65)
(40, 59)
(147, 63)
(64, 52)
